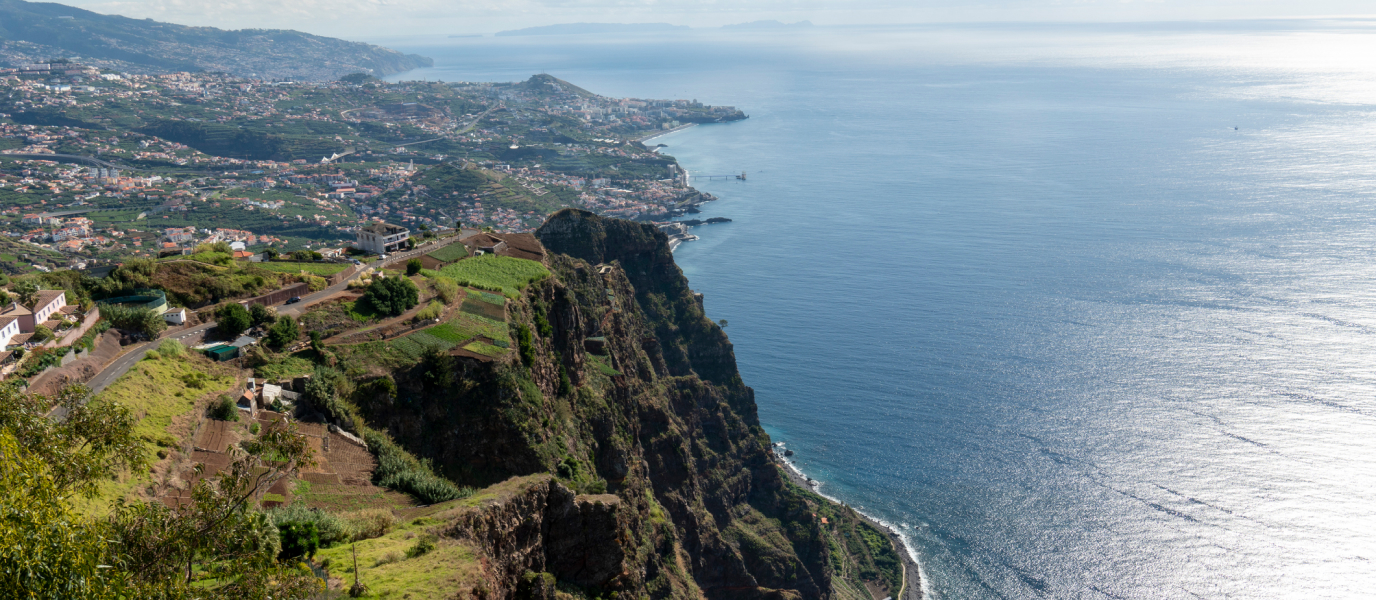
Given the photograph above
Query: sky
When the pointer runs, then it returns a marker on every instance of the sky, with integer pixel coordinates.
(372, 19)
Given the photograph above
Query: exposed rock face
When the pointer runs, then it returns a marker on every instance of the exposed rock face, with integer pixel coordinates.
(546, 528)
(660, 421)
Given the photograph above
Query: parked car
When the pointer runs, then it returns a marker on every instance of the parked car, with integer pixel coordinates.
(293, 299)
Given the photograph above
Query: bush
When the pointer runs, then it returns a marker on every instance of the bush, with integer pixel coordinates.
(447, 289)
(391, 296)
(233, 319)
(261, 315)
(433, 311)
(370, 523)
(41, 334)
(298, 539)
(423, 546)
(283, 333)
(224, 409)
(330, 528)
(413, 266)
(171, 349)
(399, 470)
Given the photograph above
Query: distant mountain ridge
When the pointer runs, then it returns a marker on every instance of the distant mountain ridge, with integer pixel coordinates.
(35, 32)
(586, 28)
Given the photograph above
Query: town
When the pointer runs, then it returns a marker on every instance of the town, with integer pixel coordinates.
(98, 165)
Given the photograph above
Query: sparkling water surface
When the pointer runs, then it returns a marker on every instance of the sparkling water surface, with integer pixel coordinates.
(1084, 311)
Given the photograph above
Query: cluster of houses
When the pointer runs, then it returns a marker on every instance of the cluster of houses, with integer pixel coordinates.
(17, 323)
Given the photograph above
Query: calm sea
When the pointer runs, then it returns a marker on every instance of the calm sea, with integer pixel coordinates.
(1085, 311)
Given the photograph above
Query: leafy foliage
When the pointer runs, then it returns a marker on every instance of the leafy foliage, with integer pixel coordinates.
(128, 318)
(232, 319)
(391, 296)
(261, 314)
(413, 267)
(224, 409)
(283, 333)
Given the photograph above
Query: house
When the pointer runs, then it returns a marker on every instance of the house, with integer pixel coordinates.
(49, 303)
(381, 238)
(9, 328)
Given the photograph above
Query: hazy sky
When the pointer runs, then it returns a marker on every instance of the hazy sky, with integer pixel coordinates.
(385, 18)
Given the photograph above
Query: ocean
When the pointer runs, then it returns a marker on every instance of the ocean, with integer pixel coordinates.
(1083, 311)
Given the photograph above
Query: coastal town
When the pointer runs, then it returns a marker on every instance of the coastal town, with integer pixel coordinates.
(98, 165)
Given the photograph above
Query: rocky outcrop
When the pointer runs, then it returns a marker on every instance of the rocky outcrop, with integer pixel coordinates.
(543, 527)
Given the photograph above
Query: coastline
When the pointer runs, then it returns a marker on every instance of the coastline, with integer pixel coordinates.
(912, 571)
(666, 132)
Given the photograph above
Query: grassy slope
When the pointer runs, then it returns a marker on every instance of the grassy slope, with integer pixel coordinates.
(157, 392)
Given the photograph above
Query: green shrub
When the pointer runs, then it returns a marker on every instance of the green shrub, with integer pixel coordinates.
(224, 409)
(233, 319)
(431, 312)
(523, 339)
(424, 544)
(260, 314)
(298, 539)
(447, 289)
(413, 267)
(171, 349)
(283, 333)
(254, 429)
(398, 470)
(330, 528)
(370, 523)
(391, 296)
(139, 320)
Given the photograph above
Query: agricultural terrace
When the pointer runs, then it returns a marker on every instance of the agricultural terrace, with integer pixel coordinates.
(479, 326)
(450, 253)
(508, 275)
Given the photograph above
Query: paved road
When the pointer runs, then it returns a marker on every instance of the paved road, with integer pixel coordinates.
(123, 363)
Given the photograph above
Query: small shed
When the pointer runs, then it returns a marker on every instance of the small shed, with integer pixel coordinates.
(176, 316)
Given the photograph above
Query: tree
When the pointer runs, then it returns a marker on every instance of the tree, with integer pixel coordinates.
(391, 296)
(270, 253)
(233, 319)
(27, 290)
(261, 315)
(283, 333)
(413, 267)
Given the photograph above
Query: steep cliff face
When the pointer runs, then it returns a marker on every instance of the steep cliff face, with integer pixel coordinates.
(628, 395)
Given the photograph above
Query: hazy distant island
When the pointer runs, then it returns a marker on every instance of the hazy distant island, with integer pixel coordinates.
(591, 28)
(770, 24)
(38, 32)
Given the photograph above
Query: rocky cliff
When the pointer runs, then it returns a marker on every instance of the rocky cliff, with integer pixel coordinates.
(643, 468)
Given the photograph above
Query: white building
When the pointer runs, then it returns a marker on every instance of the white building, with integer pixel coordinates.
(176, 316)
(381, 238)
(9, 327)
